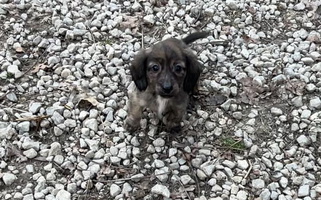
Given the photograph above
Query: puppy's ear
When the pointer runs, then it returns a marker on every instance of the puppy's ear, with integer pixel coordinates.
(138, 70)
(193, 71)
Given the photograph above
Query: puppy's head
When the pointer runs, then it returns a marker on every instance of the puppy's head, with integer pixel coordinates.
(166, 68)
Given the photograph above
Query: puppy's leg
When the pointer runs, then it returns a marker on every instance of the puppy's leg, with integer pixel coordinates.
(132, 122)
(135, 110)
(173, 119)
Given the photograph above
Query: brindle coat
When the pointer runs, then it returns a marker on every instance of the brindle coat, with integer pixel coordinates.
(164, 75)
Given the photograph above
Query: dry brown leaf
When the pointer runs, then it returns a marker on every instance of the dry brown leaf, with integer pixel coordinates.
(87, 102)
(19, 50)
(39, 67)
(296, 86)
(130, 22)
(251, 90)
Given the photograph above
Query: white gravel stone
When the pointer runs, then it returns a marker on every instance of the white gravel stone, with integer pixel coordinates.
(91, 124)
(55, 149)
(303, 140)
(35, 107)
(63, 195)
(185, 179)
(207, 168)
(306, 114)
(304, 190)
(300, 6)
(265, 194)
(242, 164)
(161, 190)
(315, 103)
(14, 69)
(258, 183)
(149, 19)
(114, 190)
(241, 195)
(159, 142)
(8, 178)
(276, 111)
(30, 153)
(284, 182)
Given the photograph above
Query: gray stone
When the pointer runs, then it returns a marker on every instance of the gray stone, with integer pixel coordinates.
(12, 97)
(283, 182)
(114, 190)
(276, 111)
(297, 101)
(23, 127)
(303, 140)
(258, 183)
(34, 107)
(159, 142)
(241, 195)
(91, 124)
(162, 174)
(315, 102)
(265, 194)
(126, 188)
(30, 153)
(209, 125)
(304, 190)
(53, 60)
(306, 114)
(57, 118)
(208, 168)
(242, 164)
(70, 123)
(299, 7)
(122, 113)
(149, 19)
(8, 178)
(13, 69)
(55, 149)
(161, 190)
(63, 195)
(185, 179)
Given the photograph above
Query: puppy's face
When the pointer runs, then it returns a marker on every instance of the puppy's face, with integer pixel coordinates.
(166, 68)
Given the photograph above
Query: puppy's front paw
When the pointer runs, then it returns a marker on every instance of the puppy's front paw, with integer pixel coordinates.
(131, 125)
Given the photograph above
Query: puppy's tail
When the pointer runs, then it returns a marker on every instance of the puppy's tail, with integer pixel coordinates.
(195, 36)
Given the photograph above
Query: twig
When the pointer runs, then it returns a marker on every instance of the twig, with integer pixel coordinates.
(231, 148)
(248, 172)
(32, 118)
(207, 21)
(129, 179)
(4, 95)
(32, 66)
(238, 141)
(195, 176)
(180, 182)
(23, 111)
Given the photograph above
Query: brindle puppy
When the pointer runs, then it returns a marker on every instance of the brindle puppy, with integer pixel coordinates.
(164, 75)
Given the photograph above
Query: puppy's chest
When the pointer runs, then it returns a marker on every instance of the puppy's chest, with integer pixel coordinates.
(162, 106)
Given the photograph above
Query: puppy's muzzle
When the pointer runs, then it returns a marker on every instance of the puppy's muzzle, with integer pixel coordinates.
(167, 87)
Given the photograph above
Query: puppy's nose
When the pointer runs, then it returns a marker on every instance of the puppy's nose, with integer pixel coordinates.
(167, 87)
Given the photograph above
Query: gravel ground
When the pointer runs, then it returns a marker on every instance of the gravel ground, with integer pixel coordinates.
(252, 131)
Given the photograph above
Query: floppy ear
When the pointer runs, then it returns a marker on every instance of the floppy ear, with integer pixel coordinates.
(193, 71)
(138, 70)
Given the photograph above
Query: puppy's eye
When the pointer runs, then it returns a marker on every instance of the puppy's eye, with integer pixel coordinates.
(155, 68)
(178, 68)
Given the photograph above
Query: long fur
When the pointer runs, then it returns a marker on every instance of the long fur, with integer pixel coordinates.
(164, 75)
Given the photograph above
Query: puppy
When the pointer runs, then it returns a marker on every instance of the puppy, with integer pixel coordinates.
(164, 75)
